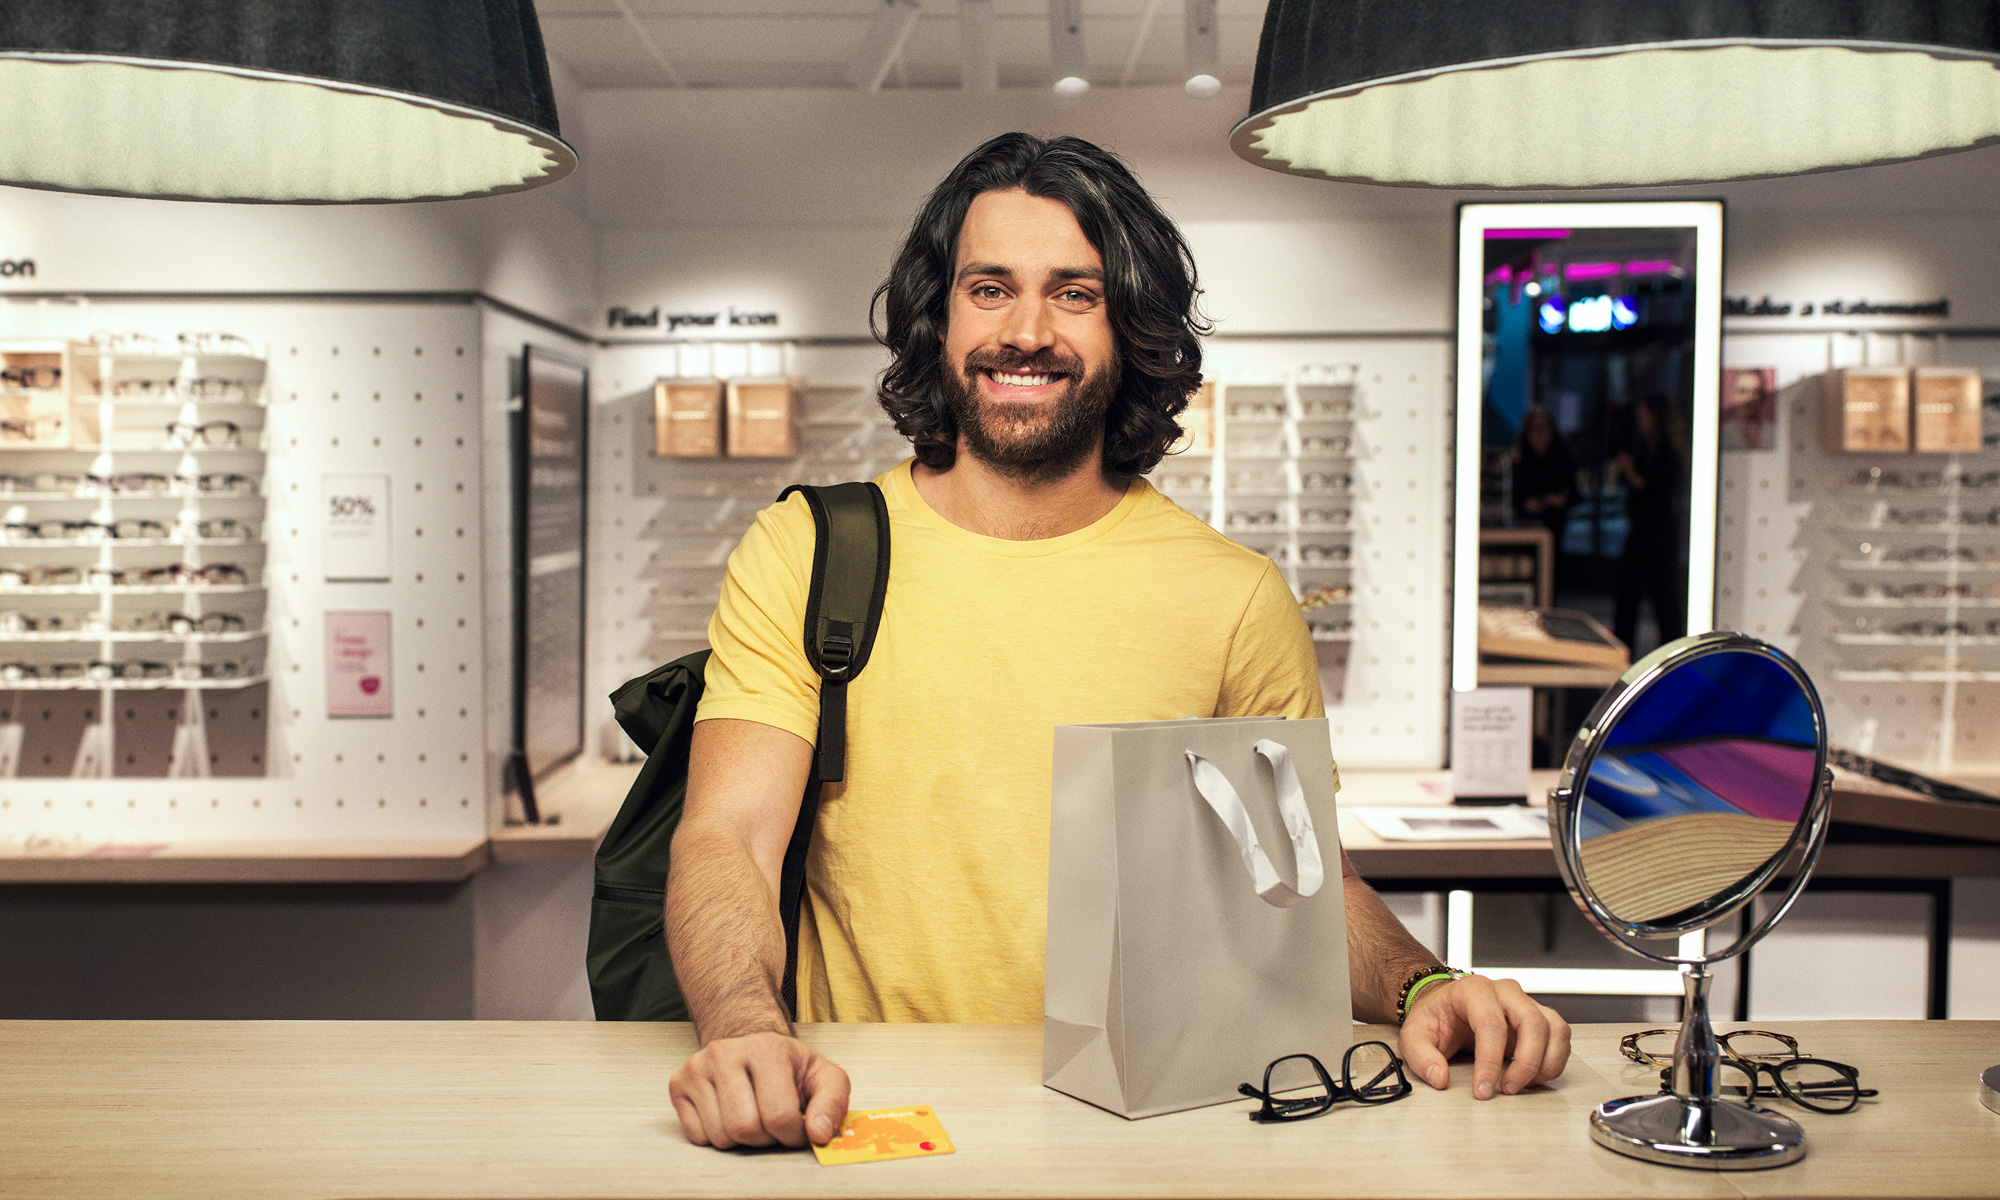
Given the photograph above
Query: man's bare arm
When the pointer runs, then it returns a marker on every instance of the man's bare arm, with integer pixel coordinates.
(1515, 1041)
(1381, 954)
(752, 1083)
(744, 785)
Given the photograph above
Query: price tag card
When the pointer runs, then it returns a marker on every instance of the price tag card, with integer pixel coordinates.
(357, 528)
(883, 1133)
(1490, 749)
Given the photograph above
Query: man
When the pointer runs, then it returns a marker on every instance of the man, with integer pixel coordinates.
(1042, 323)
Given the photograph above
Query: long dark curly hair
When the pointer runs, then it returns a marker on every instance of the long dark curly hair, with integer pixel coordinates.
(1149, 283)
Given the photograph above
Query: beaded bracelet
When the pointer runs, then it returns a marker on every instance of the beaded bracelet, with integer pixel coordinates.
(1417, 982)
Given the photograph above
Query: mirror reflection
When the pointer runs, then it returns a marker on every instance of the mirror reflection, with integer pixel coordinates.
(1699, 783)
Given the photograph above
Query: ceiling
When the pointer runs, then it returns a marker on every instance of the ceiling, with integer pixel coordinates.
(809, 43)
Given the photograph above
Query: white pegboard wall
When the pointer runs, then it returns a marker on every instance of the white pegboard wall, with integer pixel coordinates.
(1392, 710)
(350, 388)
(1780, 512)
(662, 528)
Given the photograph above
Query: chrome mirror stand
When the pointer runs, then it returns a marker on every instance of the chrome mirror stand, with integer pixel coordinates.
(1694, 1125)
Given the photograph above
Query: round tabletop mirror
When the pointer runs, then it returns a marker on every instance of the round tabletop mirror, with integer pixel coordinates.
(1697, 782)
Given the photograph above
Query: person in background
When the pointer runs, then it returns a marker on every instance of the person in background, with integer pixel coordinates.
(1651, 566)
(1544, 474)
(1042, 326)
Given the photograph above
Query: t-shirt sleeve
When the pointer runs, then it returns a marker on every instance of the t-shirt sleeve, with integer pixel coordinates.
(1271, 670)
(757, 669)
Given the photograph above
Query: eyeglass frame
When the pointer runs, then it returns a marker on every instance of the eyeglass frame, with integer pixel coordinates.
(1304, 1108)
(1754, 1069)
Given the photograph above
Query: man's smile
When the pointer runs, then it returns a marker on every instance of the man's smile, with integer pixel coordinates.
(1021, 385)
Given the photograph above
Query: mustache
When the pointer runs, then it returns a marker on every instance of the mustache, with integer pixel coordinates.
(1039, 362)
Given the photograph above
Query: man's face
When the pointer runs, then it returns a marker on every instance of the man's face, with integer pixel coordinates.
(1030, 364)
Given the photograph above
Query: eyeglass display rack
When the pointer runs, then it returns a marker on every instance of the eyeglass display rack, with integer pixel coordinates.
(1915, 558)
(1280, 479)
(144, 516)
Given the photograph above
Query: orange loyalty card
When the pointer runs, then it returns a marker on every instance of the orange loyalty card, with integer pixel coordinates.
(883, 1133)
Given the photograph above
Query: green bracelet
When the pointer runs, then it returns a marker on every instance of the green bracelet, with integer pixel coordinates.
(1418, 984)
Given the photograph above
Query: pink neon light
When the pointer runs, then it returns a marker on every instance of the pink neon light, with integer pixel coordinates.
(1591, 270)
(1652, 266)
(1495, 234)
(1501, 274)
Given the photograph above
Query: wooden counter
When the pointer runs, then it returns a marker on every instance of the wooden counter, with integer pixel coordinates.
(448, 1109)
(585, 797)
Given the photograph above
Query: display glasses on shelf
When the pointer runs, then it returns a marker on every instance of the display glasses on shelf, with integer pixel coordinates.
(85, 563)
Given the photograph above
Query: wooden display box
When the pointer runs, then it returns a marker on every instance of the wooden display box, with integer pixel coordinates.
(34, 396)
(763, 418)
(687, 418)
(1947, 410)
(1867, 410)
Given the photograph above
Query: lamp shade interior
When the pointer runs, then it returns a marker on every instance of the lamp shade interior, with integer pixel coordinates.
(1568, 95)
(251, 100)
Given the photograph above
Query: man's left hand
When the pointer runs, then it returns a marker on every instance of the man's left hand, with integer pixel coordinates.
(1499, 1021)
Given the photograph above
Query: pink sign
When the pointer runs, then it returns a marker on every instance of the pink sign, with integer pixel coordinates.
(357, 665)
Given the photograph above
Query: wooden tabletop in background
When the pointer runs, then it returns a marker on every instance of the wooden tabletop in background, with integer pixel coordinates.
(558, 1109)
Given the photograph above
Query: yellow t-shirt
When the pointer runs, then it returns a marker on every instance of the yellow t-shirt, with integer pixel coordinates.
(927, 885)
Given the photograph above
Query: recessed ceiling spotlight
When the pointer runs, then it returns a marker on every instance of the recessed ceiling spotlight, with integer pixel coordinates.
(1066, 47)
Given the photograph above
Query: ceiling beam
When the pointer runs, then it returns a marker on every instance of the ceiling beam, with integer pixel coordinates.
(651, 47)
(1139, 42)
(893, 21)
(978, 59)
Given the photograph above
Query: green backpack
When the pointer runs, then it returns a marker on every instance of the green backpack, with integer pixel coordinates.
(631, 975)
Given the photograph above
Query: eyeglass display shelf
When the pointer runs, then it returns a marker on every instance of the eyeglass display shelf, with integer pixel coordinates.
(119, 543)
(1915, 602)
(1857, 675)
(137, 366)
(1940, 529)
(176, 494)
(128, 636)
(1867, 565)
(170, 400)
(113, 448)
(134, 589)
(133, 685)
(1916, 639)
(1332, 635)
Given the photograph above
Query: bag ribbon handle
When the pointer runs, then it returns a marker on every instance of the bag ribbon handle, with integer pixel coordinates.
(1215, 788)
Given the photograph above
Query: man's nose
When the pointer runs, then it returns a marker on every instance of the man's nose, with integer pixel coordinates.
(1029, 328)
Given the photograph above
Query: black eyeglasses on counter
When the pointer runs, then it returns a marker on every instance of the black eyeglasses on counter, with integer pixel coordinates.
(1370, 1073)
(1751, 1056)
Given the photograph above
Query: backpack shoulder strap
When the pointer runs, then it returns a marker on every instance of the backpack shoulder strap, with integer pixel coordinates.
(850, 577)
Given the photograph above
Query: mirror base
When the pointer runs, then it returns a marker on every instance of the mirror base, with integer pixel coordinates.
(1714, 1135)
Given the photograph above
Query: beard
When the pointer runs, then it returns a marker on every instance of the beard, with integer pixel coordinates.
(1031, 442)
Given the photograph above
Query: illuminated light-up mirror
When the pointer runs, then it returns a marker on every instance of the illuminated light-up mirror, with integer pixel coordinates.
(1698, 780)
(1588, 363)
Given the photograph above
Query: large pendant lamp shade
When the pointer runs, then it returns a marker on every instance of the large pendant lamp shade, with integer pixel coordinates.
(288, 101)
(1603, 93)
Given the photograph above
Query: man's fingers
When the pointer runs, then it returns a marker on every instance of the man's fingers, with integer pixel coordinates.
(1531, 1036)
(1481, 1011)
(774, 1080)
(735, 1097)
(699, 1093)
(827, 1090)
(1556, 1057)
(685, 1110)
(1418, 1045)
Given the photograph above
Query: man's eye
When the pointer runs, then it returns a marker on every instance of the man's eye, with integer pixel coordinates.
(988, 291)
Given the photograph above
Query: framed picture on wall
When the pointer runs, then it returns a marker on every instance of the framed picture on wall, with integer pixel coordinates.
(1749, 408)
(550, 475)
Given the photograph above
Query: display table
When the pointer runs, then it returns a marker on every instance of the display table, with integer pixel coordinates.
(421, 1109)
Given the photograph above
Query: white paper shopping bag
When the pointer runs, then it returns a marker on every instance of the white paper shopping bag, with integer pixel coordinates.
(1197, 929)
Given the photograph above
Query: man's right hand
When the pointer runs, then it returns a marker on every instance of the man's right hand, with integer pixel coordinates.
(759, 1090)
